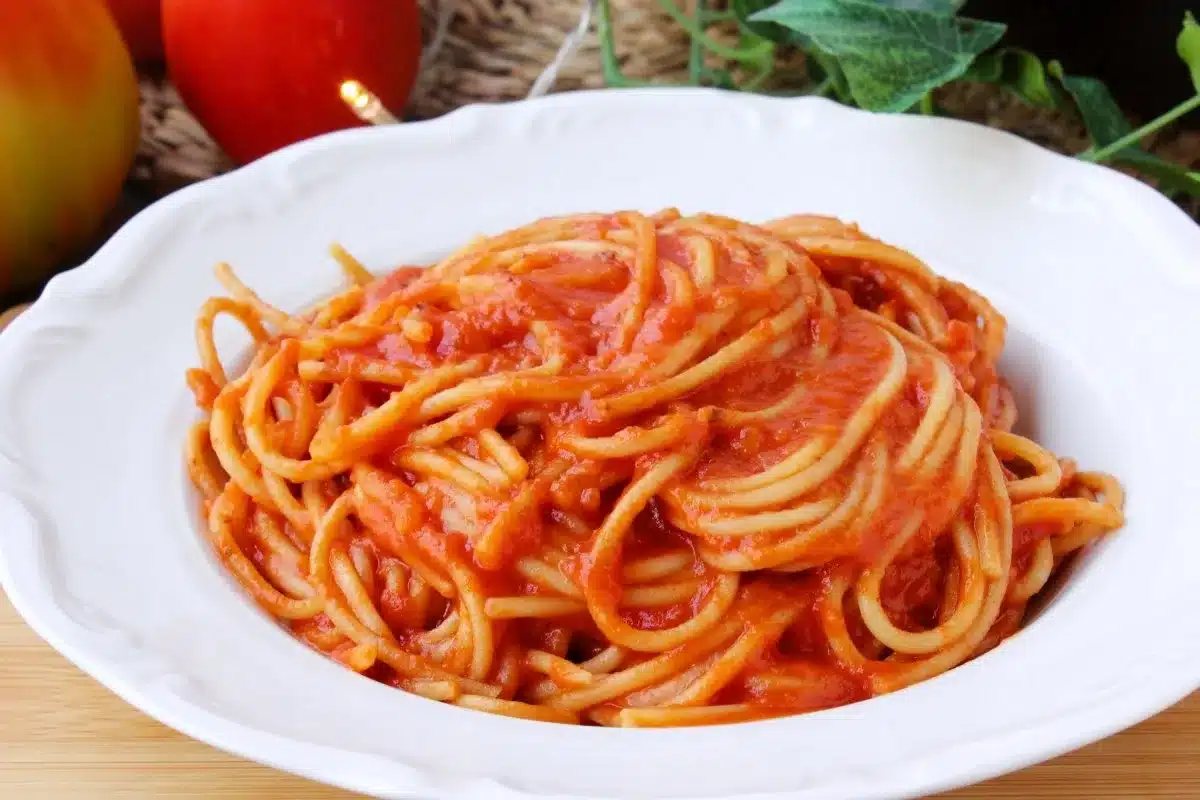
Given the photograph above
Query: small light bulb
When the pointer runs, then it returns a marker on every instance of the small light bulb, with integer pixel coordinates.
(365, 105)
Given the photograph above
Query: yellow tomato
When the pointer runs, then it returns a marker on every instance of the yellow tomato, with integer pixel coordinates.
(68, 130)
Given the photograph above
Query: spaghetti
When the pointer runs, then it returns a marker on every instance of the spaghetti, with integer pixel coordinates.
(637, 470)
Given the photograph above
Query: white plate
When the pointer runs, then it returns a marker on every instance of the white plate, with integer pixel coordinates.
(1098, 275)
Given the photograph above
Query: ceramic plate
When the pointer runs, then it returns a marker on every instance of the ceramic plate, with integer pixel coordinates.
(102, 548)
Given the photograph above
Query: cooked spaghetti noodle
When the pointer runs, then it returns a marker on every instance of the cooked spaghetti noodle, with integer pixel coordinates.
(637, 470)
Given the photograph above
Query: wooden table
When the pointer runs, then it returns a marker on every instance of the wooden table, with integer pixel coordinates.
(64, 735)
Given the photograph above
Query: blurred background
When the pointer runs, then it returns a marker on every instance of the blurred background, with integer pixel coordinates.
(112, 104)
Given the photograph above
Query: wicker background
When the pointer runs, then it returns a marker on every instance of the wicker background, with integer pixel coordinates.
(493, 50)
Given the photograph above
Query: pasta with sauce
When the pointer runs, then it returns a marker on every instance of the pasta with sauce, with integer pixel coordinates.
(637, 470)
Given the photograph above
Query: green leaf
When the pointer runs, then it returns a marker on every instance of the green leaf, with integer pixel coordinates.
(821, 66)
(1106, 124)
(947, 8)
(825, 67)
(720, 78)
(891, 57)
(1169, 175)
(1102, 117)
(1019, 71)
(743, 10)
(764, 50)
(1188, 47)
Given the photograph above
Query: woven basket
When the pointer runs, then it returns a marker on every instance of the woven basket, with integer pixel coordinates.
(494, 50)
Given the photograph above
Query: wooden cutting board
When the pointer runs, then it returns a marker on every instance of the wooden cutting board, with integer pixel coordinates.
(64, 735)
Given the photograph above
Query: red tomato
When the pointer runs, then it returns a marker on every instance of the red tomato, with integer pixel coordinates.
(262, 74)
(140, 22)
(68, 130)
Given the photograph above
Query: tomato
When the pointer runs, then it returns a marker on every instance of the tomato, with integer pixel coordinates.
(262, 74)
(140, 22)
(8, 316)
(68, 130)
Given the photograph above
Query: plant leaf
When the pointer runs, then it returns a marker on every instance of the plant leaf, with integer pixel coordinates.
(946, 8)
(825, 66)
(720, 78)
(744, 10)
(1169, 175)
(749, 40)
(1102, 117)
(1106, 124)
(1188, 47)
(1019, 71)
(891, 57)
(821, 65)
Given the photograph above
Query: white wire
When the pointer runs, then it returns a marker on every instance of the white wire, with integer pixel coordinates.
(445, 12)
(545, 81)
(430, 52)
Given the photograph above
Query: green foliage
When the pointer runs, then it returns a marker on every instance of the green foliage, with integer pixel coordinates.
(944, 7)
(1188, 47)
(744, 12)
(1101, 115)
(889, 55)
(1114, 138)
(1019, 71)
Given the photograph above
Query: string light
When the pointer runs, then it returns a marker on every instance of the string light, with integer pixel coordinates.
(365, 105)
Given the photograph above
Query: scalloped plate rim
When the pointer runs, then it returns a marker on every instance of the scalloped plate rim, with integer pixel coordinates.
(53, 625)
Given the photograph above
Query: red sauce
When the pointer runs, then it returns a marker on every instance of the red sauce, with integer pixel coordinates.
(497, 326)
(583, 316)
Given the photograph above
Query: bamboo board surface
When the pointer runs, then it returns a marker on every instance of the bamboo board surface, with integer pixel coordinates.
(64, 735)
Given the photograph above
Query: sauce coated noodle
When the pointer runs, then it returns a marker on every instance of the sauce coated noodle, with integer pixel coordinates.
(637, 470)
